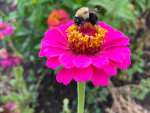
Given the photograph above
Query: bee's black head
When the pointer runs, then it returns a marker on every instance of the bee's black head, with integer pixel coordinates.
(78, 21)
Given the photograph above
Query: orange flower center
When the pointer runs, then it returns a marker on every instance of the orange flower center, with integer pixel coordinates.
(54, 16)
(87, 40)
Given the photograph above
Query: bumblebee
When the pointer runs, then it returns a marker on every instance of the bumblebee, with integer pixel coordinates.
(85, 14)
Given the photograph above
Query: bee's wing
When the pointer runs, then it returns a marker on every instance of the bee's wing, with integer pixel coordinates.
(93, 10)
(96, 10)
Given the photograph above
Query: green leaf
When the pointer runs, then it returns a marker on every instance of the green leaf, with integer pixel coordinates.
(38, 46)
(143, 94)
(18, 71)
(107, 4)
(57, 70)
(126, 14)
(21, 31)
(13, 15)
(1, 109)
(68, 3)
(27, 110)
(13, 82)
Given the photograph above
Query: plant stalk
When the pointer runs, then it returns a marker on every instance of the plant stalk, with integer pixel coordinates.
(2, 14)
(81, 96)
(13, 47)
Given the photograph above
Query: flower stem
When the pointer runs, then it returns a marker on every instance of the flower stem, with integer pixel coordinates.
(13, 47)
(40, 80)
(81, 96)
(2, 14)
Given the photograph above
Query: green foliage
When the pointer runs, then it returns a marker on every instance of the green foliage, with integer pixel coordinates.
(140, 5)
(138, 63)
(30, 21)
(65, 106)
(31, 16)
(143, 90)
(114, 12)
(21, 95)
(94, 96)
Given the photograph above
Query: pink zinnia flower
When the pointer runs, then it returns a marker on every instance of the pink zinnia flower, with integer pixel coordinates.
(6, 29)
(9, 60)
(10, 108)
(86, 53)
(58, 17)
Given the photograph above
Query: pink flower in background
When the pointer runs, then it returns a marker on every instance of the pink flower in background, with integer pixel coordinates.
(87, 53)
(1, 36)
(12, 6)
(9, 108)
(6, 29)
(58, 17)
(9, 60)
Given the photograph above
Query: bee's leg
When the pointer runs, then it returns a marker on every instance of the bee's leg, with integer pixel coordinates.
(86, 20)
(97, 24)
(82, 24)
(78, 26)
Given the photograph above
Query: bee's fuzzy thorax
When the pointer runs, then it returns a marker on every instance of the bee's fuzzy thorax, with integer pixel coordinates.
(81, 13)
(84, 15)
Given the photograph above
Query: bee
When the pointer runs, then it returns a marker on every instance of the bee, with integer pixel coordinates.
(85, 14)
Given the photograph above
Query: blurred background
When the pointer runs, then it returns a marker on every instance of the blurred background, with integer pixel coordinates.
(28, 86)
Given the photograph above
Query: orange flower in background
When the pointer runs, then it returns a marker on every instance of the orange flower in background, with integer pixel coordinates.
(58, 17)
(1, 36)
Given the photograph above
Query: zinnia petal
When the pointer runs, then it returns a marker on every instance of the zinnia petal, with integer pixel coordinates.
(83, 74)
(63, 29)
(65, 76)
(66, 60)
(49, 43)
(51, 51)
(105, 26)
(124, 64)
(100, 62)
(70, 23)
(112, 34)
(82, 61)
(100, 77)
(114, 54)
(56, 35)
(120, 42)
(53, 62)
(110, 70)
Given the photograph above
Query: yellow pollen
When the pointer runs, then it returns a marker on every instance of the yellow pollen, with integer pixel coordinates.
(86, 44)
